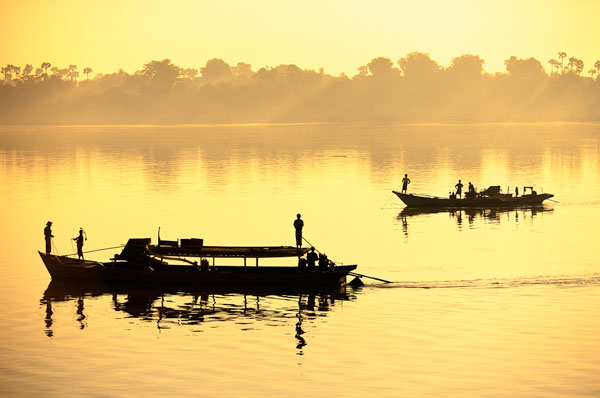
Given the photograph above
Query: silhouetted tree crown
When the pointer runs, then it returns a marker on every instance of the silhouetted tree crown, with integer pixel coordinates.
(415, 88)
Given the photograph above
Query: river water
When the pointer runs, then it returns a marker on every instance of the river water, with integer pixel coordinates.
(482, 304)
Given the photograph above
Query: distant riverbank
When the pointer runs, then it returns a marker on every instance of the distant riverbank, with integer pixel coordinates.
(417, 91)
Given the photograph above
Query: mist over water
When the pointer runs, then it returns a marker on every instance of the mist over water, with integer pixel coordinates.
(412, 89)
(484, 303)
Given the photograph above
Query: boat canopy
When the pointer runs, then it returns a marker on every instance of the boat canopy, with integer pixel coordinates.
(229, 251)
(138, 247)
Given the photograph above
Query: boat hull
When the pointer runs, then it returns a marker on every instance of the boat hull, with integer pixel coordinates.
(61, 267)
(481, 201)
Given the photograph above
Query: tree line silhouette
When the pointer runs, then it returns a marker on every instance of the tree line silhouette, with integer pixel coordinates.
(416, 89)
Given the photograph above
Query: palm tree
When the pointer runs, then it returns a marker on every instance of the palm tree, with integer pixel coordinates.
(597, 66)
(575, 65)
(562, 56)
(86, 71)
(72, 72)
(592, 72)
(571, 63)
(578, 66)
(553, 64)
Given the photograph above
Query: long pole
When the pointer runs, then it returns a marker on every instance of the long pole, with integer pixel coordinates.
(367, 276)
(306, 240)
(350, 273)
(97, 250)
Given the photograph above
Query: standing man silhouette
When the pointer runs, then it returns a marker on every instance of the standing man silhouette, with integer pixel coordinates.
(459, 189)
(79, 240)
(48, 235)
(298, 225)
(405, 182)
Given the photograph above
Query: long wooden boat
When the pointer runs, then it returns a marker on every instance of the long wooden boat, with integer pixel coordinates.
(486, 199)
(169, 264)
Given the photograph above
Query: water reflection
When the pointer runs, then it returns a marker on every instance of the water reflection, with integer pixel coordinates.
(198, 308)
(166, 155)
(471, 215)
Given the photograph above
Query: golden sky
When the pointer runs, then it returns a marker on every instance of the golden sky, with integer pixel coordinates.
(338, 35)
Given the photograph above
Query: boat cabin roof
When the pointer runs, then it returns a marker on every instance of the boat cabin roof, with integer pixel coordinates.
(229, 251)
(195, 248)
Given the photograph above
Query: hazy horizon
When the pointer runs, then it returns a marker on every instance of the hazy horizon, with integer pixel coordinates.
(412, 89)
(336, 36)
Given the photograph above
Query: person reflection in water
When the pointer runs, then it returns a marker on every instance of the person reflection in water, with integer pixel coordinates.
(48, 319)
(298, 225)
(459, 187)
(405, 182)
(48, 235)
(404, 221)
(79, 240)
(81, 317)
(300, 332)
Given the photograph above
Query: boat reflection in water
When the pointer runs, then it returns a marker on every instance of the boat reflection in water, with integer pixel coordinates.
(472, 214)
(199, 308)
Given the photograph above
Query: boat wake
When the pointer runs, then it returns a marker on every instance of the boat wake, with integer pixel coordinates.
(563, 281)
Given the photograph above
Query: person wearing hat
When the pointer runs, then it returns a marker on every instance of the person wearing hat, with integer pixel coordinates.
(79, 240)
(48, 235)
(298, 225)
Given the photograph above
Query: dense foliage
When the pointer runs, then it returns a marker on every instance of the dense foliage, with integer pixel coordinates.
(414, 90)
